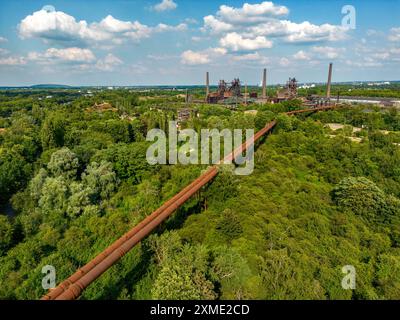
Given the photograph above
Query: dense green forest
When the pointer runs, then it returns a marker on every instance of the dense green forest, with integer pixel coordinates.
(360, 90)
(73, 179)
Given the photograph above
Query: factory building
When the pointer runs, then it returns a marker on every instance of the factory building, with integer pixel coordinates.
(232, 92)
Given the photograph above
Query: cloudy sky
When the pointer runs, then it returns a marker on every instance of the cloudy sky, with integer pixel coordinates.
(139, 42)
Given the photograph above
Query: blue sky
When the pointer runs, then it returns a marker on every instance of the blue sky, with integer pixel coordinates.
(140, 42)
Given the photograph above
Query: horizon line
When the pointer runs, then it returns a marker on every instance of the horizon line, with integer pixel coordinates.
(179, 85)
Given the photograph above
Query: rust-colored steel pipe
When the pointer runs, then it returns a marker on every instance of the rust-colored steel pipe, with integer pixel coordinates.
(57, 293)
(72, 287)
(310, 110)
(75, 289)
(54, 293)
(147, 226)
(244, 146)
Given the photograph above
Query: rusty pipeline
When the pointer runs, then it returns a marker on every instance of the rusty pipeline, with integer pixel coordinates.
(75, 289)
(54, 293)
(310, 110)
(72, 287)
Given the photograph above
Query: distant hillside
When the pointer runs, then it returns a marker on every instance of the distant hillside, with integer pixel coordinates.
(49, 86)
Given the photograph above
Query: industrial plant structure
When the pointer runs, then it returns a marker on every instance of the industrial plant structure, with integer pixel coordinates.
(287, 93)
(233, 90)
(226, 92)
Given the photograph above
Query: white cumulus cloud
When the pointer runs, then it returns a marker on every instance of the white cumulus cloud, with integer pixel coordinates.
(215, 25)
(165, 5)
(250, 13)
(237, 42)
(265, 22)
(74, 54)
(319, 53)
(308, 32)
(59, 27)
(194, 58)
(298, 32)
(302, 55)
(74, 58)
(190, 57)
(161, 27)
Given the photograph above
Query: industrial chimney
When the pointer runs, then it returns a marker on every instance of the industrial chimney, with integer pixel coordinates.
(245, 94)
(264, 85)
(207, 84)
(328, 88)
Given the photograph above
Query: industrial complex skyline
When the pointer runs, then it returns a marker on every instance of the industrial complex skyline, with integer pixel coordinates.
(174, 42)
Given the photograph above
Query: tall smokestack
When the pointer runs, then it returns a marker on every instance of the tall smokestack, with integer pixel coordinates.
(264, 85)
(207, 84)
(328, 88)
(245, 94)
